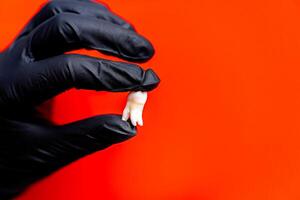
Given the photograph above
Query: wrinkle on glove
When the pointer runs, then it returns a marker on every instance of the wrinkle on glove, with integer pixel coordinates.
(35, 68)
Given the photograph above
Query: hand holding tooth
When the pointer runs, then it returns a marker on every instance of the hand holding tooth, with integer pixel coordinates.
(134, 107)
(31, 147)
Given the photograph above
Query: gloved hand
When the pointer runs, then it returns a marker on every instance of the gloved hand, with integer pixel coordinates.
(34, 69)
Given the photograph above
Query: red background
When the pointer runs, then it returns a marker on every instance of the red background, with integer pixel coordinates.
(224, 123)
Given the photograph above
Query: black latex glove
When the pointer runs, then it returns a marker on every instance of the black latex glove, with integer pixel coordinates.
(34, 68)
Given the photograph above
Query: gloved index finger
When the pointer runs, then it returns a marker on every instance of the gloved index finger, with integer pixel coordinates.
(66, 32)
(85, 8)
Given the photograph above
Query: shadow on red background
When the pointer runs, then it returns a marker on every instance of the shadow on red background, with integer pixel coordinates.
(224, 123)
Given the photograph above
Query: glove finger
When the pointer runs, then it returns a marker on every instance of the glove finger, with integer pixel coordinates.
(84, 8)
(30, 152)
(89, 8)
(66, 32)
(72, 141)
(102, 129)
(45, 79)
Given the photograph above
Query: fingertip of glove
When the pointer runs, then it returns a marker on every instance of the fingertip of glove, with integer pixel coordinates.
(137, 48)
(122, 130)
(151, 80)
(145, 50)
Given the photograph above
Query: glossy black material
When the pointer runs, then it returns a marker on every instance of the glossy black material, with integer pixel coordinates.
(34, 69)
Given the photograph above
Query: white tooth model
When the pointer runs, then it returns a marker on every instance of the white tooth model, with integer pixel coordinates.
(134, 107)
